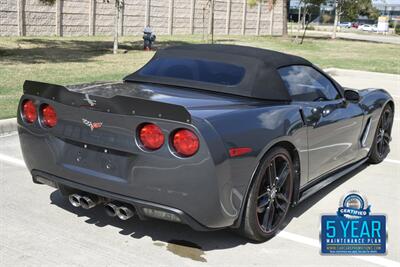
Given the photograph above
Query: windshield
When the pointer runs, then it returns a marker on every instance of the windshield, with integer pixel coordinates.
(196, 70)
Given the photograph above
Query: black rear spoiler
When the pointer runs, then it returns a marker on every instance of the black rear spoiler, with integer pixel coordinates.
(117, 104)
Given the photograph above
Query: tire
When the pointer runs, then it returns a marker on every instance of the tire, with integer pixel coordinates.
(380, 147)
(269, 199)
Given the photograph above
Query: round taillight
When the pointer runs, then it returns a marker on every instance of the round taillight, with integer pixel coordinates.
(185, 142)
(49, 116)
(29, 111)
(151, 136)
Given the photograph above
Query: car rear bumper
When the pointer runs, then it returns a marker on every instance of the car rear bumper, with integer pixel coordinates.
(195, 190)
(41, 177)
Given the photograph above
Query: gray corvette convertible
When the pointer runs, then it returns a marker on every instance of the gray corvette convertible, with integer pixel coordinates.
(212, 136)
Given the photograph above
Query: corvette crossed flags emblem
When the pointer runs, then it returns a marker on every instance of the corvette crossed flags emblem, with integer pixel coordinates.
(92, 125)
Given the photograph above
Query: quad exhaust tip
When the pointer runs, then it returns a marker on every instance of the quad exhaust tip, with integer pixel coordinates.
(86, 202)
(112, 209)
(122, 212)
(75, 200)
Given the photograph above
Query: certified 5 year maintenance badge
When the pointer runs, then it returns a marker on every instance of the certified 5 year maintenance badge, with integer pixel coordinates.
(353, 230)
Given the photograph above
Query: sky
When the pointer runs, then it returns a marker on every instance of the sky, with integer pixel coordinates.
(389, 2)
(396, 2)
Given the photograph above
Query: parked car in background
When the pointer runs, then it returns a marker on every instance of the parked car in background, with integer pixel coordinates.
(368, 28)
(345, 24)
(355, 25)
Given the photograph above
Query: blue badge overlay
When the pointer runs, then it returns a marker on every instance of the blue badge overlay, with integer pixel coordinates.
(353, 230)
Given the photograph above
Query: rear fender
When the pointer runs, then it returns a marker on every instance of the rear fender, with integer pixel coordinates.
(260, 129)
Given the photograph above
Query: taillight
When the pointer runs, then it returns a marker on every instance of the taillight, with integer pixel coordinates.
(29, 111)
(185, 142)
(49, 116)
(151, 136)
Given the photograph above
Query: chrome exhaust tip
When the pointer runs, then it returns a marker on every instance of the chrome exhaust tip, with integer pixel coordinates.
(75, 200)
(111, 209)
(88, 202)
(124, 213)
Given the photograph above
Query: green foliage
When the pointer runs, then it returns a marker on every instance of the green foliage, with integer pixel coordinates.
(397, 29)
(350, 9)
(252, 2)
(48, 2)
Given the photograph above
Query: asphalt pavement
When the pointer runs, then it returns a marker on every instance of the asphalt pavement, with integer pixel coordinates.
(39, 227)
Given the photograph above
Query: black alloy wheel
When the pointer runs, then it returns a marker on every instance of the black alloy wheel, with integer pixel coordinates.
(380, 148)
(270, 196)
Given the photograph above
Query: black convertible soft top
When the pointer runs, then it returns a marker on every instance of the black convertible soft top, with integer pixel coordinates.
(261, 78)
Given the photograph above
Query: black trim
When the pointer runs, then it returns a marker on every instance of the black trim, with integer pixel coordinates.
(316, 184)
(118, 104)
(137, 203)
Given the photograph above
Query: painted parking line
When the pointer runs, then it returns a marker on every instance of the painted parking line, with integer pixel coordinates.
(283, 234)
(12, 161)
(392, 161)
(379, 260)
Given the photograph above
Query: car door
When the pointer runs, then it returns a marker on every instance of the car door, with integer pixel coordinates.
(333, 124)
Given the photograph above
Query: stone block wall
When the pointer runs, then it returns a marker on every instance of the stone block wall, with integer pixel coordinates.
(96, 17)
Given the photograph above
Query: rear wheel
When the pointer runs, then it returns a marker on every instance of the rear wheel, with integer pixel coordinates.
(269, 197)
(380, 147)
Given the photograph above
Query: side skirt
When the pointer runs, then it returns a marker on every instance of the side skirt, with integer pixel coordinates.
(316, 185)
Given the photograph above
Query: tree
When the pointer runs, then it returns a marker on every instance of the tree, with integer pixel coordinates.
(271, 5)
(351, 9)
(119, 5)
(307, 6)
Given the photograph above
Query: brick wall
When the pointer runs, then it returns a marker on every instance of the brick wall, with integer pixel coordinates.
(86, 17)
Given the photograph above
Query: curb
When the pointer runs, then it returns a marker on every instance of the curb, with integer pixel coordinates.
(8, 126)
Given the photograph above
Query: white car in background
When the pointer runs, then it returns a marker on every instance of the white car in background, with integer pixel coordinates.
(368, 28)
(345, 25)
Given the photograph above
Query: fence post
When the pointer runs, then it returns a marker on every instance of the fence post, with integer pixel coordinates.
(147, 14)
(258, 18)
(170, 17)
(21, 17)
(92, 12)
(244, 17)
(228, 16)
(59, 17)
(193, 4)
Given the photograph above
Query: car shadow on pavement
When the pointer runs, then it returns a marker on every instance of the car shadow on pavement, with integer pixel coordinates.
(168, 232)
(157, 230)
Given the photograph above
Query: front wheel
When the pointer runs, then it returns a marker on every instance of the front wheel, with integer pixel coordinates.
(269, 197)
(380, 147)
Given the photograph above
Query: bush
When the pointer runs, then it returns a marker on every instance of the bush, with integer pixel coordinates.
(327, 19)
(48, 2)
(397, 29)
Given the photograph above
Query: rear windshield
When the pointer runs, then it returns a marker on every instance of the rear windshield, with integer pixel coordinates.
(195, 69)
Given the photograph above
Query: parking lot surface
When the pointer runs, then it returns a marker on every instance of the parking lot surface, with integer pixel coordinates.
(39, 227)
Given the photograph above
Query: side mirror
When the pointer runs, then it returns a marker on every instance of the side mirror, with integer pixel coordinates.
(352, 95)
